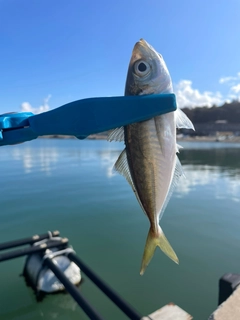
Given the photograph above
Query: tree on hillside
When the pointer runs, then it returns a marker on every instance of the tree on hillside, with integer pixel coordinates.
(228, 111)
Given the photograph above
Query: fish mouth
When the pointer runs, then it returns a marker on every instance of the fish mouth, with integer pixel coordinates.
(142, 41)
(141, 44)
(144, 45)
(143, 50)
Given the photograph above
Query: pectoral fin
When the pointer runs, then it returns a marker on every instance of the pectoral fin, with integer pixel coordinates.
(182, 121)
(116, 135)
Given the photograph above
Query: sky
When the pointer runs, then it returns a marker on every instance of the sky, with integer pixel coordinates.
(56, 51)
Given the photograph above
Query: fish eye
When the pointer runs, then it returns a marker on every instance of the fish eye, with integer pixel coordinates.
(141, 68)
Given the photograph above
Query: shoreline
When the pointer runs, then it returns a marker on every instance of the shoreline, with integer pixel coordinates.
(185, 138)
(210, 139)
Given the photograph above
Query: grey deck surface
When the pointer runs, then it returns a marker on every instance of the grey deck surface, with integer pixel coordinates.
(169, 312)
(229, 309)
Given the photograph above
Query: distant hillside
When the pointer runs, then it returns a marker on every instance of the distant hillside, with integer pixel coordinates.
(215, 121)
(228, 111)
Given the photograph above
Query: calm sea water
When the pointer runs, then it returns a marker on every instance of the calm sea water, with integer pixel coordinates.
(68, 185)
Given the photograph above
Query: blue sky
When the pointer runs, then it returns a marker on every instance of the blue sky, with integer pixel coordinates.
(56, 51)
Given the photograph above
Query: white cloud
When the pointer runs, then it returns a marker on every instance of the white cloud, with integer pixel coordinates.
(187, 96)
(234, 84)
(236, 88)
(230, 79)
(227, 79)
(26, 106)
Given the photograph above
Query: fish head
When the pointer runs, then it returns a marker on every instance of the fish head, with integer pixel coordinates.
(147, 72)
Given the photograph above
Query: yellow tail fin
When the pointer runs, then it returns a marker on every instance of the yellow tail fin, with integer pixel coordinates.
(152, 242)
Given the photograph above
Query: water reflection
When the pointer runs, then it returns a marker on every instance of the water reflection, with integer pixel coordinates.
(107, 162)
(46, 155)
(223, 184)
(78, 200)
(219, 169)
(214, 167)
(226, 159)
(60, 306)
(41, 158)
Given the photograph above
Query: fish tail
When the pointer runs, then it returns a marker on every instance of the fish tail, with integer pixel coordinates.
(154, 240)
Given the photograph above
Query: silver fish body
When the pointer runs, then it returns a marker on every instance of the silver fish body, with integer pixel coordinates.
(151, 155)
(149, 161)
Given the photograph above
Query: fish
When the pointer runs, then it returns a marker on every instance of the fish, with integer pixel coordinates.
(149, 161)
